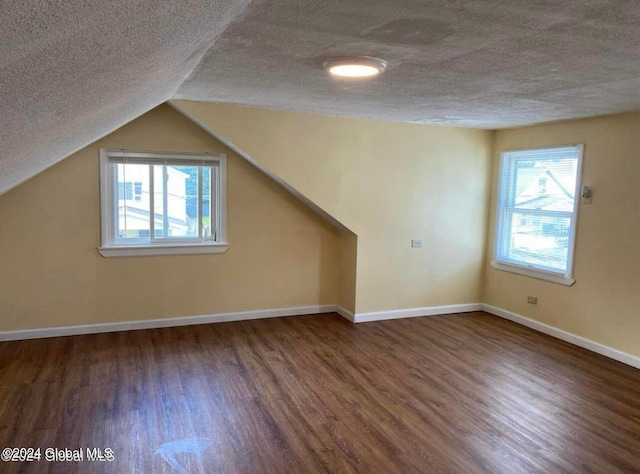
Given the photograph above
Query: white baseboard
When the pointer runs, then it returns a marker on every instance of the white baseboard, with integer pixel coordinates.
(163, 323)
(237, 316)
(606, 351)
(601, 349)
(345, 313)
(414, 312)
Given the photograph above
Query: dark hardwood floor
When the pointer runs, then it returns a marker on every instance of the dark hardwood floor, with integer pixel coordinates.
(460, 393)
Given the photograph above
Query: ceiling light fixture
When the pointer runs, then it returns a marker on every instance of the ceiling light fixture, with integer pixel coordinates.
(355, 66)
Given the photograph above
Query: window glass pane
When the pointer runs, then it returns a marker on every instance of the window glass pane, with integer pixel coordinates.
(207, 218)
(158, 201)
(189, 204)
(536, 208)
(175, 201)
(132, 209)
(545, 184)
(538, 240)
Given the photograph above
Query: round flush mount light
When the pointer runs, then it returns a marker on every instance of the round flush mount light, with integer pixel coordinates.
(355, 66)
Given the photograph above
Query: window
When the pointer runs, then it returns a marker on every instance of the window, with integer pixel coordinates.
(161, 203)
(542, 185)
(537, 210)
(138, 190)
(125, 190)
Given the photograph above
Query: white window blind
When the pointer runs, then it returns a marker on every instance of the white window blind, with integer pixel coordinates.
(537, 208)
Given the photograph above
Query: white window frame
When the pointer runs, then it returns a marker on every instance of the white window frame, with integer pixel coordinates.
(111, 247)
(506, 170)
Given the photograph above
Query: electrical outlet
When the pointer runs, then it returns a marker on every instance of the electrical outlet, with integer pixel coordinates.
(416, 243)
(532, 299)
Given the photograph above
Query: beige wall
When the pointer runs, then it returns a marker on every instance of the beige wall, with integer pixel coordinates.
(348, 270)
(281, 254)
(604, 303)
(387, 182)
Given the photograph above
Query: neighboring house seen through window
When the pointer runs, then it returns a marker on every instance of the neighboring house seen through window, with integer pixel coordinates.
(537, 210)
(138, 191)
(125, 190)
(162, 203)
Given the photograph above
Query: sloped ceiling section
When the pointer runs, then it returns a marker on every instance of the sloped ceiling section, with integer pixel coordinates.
(477, 63)
(73, 71)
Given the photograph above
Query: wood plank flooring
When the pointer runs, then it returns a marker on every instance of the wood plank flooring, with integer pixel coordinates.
(458, 394)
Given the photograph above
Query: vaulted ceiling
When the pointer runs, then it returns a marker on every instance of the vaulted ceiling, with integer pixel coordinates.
(73, 71)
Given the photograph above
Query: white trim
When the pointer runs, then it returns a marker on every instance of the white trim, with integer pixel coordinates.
(150, 250)
(576, 211)
(416, 312)
(236, 316)
(163, 323)
(345, 313)
(533, 273)
(625, 358)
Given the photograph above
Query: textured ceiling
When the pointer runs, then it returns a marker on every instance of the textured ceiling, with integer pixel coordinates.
(481, 63)
(73, 71)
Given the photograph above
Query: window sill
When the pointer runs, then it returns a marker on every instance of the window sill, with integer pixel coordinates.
(539, 274)
(151, 250)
